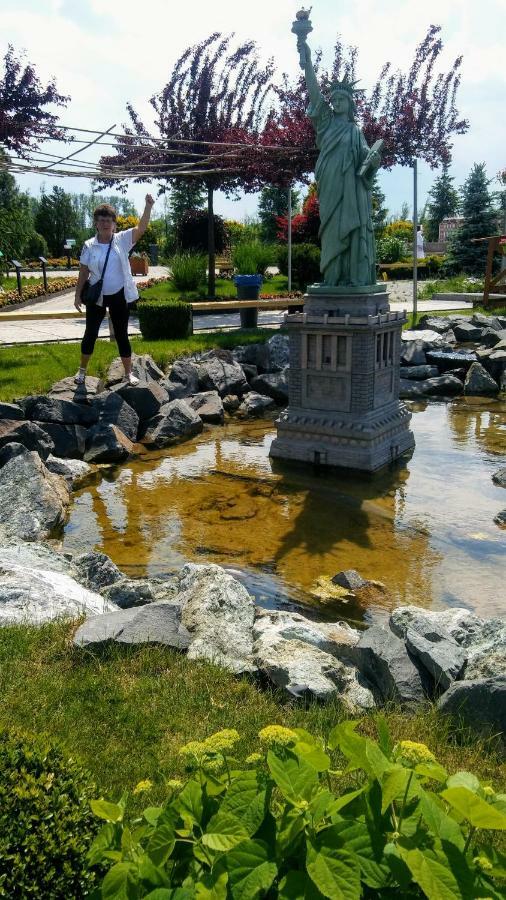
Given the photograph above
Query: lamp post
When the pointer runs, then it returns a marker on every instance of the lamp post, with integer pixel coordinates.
(17, 266)
(289, 238)
(43, 263)
(415, 229)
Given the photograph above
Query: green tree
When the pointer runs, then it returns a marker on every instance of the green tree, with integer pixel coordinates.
(480, 220)
(443, 202)
(56, 219)
(16, 222)
(379, 211)
(273, 202)
(184, 195)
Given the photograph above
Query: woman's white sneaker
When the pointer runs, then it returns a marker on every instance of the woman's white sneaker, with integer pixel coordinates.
(132, 379)
(80, 377)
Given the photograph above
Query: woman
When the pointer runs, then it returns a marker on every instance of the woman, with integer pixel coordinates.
(119, 289)
(344, 173)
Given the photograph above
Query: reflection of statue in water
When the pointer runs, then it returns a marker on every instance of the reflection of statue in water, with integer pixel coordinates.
(344, 173)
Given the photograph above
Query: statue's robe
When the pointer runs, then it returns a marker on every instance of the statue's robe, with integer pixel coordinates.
(346, 232)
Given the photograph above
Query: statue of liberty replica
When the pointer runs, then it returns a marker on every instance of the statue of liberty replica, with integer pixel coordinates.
(344, 408)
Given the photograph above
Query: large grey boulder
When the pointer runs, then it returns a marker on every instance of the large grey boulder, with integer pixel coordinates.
(218, 612)
(490, 337)
(95, 570)
(336, 638)
(253, 355)
(495, 363)
(278, 352)
(439, 324)
(451, 359)
(11, 411)
(68, 441)
(146, 399)
(466, 331)
(35, 595)
(175, 422)
(112, 409)
(158, 623)
(383, 659)
(42, 408)
(219, 371)
(459, 623)
(486, 654)
(479, 383)
(419, 373)
(254, 405)
(209, 406)
(499, 477)
(183, 379)
(439, 654)
(34, 555)
(27, 433)
(76, 472)
(129, 592)
(143, 367)
(480, 703)
(67, 389)
(441, 386)
(107, 444)
(482, 321)
(9, 451)
(33, 502)
(274, 384)
(231, 403)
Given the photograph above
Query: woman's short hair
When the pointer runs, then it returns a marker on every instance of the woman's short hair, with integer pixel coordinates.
(105, 209)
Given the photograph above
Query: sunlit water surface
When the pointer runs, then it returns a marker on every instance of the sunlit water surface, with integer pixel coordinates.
(425, 528)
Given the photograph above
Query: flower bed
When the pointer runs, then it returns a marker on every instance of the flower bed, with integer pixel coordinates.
(55, 285)
(60, 262)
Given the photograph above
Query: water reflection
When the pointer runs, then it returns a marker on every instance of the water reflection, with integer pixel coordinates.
(424, 529)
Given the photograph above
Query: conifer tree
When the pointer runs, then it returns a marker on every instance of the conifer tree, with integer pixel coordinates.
(480, 220)
(443, 202)
(273, 202)
(379, 211)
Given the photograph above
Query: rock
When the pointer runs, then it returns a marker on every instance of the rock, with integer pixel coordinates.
(467, 332)
(418, 373)
(479, 383)
(383, 659)
(35, 595)
(183, 379)
(278, 350)
(35, 556)
(106, 443)
(490, 337)
(442, 386)
(10, 451)
(498, 477)
(68, 441)
(273, 385)
(500, 518)
(175, 422)
(209, 407)
(350, 579)
(143, 367)
(254, 404)
(250, 371)
(75, 472)
(459, 624)
(449, 337)
(158, 623)
(27, 433)
(33, 501)
(486, 653)
(129, 592)
(495, 363)
(336, 638)
(439, 324)
(439, 654)
(231, 403)
(114, 410)
(95, 570)
(219, 371)
(411, 390)
(454, 359)
(67, 389)
(413, 353)
(146, 399)
(457, 373)
(482, 321)
(11, 411)
(479, 703)
(218, 612)
(42, 408)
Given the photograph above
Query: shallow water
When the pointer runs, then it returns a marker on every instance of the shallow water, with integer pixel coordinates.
(424, 529)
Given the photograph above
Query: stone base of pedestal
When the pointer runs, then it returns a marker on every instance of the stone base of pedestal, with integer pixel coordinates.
(344, 407)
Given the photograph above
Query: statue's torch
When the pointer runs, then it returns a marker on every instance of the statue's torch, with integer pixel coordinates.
(301, 27)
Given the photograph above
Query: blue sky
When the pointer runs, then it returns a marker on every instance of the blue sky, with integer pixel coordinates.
(105, 54)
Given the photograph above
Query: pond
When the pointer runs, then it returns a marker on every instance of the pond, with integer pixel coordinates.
(424, 528)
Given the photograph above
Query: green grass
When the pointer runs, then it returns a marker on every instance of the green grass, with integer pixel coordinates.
(10, 283)
(484, 310)
(225, 287)
(125, 713)
(33, 368)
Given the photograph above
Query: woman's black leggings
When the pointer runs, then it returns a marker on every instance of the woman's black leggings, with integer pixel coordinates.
(119, 311)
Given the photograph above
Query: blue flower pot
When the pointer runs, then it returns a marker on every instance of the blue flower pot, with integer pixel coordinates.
(248, 288)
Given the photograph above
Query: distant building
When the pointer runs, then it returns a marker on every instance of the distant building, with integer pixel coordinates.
(447, 226)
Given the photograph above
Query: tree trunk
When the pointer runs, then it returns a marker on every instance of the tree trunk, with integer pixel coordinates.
(211, 280)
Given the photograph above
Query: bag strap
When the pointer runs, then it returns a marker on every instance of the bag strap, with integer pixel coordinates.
(106, 259)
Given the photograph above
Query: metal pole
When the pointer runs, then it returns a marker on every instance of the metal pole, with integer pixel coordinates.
(43, 263)
(17, 266)
(289, 237)
(415, 228)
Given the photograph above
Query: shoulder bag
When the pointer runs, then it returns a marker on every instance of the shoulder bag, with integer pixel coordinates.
(90, 293)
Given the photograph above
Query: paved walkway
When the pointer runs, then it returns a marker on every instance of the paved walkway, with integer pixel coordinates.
(401, 297)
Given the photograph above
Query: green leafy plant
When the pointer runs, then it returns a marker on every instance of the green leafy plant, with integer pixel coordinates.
(46, 825)
(188, 270)
(160, 319)
(390, 249)
(252, 258)
(305, 264)
(287, 823)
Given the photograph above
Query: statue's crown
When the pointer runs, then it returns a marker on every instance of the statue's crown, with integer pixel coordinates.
(345, 85)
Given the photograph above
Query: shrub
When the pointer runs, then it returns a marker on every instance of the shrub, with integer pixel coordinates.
(390, 249)
(159, 319)
(192, 231)
(46, 825)
(305, 264)
(402, 229)
(289, 823)
(252, 258)
(188, 270)
(36, 246)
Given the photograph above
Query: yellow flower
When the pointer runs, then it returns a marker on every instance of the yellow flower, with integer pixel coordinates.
(254, 758)
(483, 863)
(277, 736)
(193, 750)
(489, 791)
(143, 786)
(214, 766)
(175, 783)
(410, 753)
(222, 741)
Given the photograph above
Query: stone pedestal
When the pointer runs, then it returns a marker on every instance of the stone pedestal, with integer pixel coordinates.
(344, 407)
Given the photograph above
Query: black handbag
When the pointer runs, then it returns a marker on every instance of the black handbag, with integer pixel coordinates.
(90, 293)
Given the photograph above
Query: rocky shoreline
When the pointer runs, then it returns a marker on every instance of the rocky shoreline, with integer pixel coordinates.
(51, 444)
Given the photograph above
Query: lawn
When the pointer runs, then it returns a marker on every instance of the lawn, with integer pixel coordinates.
(10, 283)
(225, 289)
(126, 712)
(33, 368)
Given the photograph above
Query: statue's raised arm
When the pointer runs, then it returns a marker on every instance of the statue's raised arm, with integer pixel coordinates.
(301, 27)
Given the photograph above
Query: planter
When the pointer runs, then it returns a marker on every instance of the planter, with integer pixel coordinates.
(139, 265)
(248, 288)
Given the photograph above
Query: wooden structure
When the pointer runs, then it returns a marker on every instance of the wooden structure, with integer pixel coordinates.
(493, 283)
